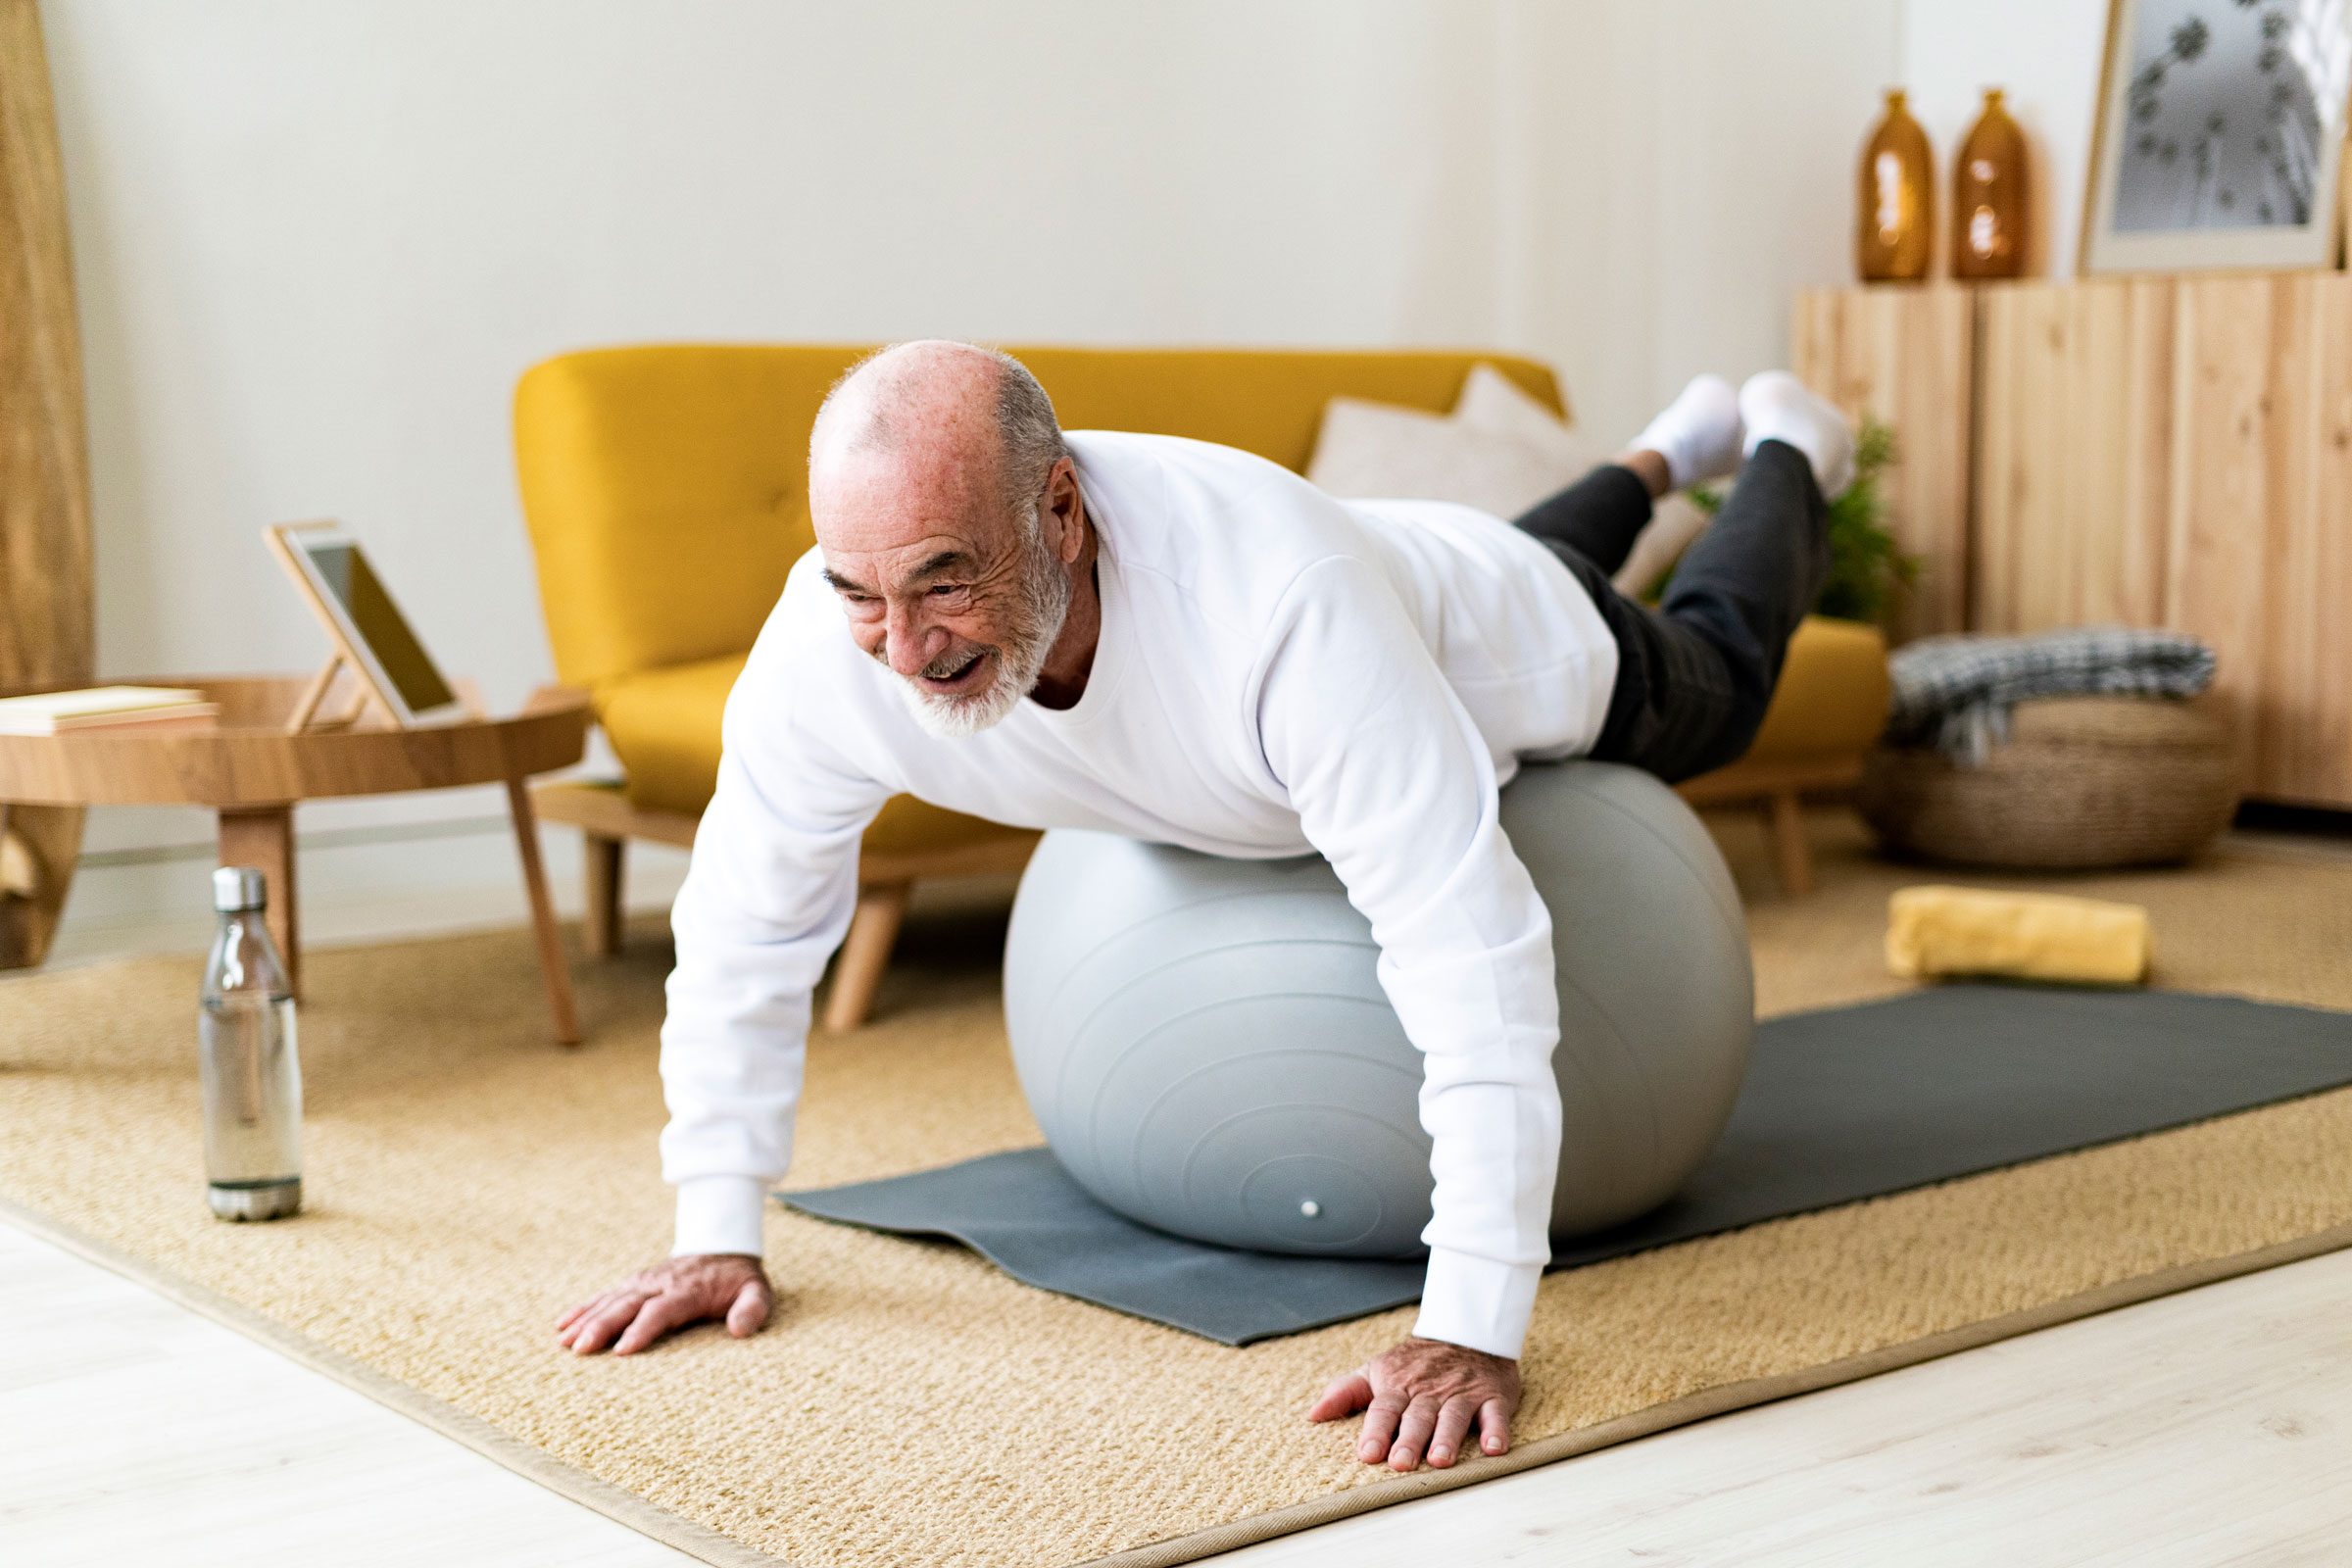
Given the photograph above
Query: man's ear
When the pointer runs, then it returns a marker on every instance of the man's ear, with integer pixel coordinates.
(1067, 508)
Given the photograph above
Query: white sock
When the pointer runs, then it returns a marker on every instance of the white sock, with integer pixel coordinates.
(1776, 406)
(1697, 434)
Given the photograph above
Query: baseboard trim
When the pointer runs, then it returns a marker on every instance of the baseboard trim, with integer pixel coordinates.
(328, 838)
(367, 882)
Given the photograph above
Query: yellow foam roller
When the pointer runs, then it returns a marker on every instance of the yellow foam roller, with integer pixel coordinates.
(1940, 931)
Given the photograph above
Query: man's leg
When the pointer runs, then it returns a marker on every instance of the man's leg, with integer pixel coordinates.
(1695, 439)
(1599, 516)
(1696, 674)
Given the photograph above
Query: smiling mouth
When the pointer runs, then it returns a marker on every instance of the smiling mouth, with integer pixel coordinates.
(962, 677)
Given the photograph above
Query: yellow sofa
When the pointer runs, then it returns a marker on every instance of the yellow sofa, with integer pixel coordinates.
(664, 488)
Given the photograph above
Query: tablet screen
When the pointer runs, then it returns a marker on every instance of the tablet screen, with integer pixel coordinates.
(379, 623)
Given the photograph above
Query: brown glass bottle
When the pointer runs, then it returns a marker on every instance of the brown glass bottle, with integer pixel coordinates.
(1989, 196)
(1894, 217)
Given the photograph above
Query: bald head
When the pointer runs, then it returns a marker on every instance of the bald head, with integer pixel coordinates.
(955, 420)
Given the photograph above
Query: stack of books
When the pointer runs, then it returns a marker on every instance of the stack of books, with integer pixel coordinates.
(106, 708)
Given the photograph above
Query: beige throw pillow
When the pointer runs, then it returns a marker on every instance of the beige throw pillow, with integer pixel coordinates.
(1492, 401)
(1500, 450)
(1377, 451)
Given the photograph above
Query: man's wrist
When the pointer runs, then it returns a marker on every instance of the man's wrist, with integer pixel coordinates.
(720, 1215)
(1477, 1302)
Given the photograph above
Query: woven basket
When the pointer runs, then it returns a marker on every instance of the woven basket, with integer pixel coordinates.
(2082, 782)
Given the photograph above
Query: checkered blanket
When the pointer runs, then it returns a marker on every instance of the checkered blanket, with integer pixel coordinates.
(1955, 692)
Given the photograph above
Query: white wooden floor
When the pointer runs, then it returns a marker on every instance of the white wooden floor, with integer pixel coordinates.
(2211, 1427)
(134, 1431)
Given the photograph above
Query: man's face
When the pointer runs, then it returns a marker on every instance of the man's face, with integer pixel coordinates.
(942, 584)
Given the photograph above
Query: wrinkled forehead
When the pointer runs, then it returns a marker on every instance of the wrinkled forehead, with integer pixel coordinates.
(880, 502)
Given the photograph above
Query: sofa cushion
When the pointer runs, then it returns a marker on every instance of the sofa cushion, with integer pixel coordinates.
(1832, 695)
(665, 726)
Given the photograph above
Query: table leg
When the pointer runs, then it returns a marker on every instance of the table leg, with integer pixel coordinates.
(543, 914)
(263, 837)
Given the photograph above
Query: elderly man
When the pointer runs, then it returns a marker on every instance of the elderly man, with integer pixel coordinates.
(1188, 644)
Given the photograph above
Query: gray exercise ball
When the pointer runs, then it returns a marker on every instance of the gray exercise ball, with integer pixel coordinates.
(1208, 1052)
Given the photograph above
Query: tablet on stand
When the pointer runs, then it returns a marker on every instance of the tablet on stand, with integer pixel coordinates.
(369, 635)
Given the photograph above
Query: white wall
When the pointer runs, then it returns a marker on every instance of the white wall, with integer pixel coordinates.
(1765, 108)
(316, 244)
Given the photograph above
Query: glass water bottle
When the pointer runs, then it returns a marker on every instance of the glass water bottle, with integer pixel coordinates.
(252, 1078)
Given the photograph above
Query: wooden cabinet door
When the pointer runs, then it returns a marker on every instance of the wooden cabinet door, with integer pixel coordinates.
(1905, 353)
(2152, 451)
(2073, 455)
(2260, 547)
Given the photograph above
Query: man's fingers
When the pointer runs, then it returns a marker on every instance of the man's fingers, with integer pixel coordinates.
(580, 1315)
(1413, 1434)
(749, 1314)
(1349, 1392)
(1454, 1425)
(1424, 1401)
(599, 1300)
(1380, 1427)
(654, 1318)
(572, 1317)
(602, 1325)
(1494, 1427)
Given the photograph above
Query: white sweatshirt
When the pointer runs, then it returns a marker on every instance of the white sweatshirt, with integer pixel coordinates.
(1278, 672)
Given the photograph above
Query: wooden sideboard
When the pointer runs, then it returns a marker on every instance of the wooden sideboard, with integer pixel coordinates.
(2156, 451)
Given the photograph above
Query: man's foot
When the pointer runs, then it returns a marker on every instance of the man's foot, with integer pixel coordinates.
(1697, 434)
(1774, 406)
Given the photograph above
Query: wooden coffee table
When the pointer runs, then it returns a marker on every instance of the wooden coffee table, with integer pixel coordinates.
(252, 771)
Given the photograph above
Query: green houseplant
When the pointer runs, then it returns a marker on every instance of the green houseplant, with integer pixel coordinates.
(1867, 568)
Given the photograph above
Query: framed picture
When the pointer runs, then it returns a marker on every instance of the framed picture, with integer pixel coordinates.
(369, 632)
(2221, 135)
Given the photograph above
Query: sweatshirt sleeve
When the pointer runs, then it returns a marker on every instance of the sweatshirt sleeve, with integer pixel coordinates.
(767, 899)
(1394, 784)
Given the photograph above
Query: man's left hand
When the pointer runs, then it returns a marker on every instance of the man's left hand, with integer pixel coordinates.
(1423, 1397)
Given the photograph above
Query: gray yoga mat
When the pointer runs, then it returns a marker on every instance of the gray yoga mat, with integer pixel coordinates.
(1839, 1105)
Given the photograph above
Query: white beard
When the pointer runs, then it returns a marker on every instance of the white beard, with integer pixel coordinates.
(1044, 605)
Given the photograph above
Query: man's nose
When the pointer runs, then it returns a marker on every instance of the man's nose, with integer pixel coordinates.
(910, 643)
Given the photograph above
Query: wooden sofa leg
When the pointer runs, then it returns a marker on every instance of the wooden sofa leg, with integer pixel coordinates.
(865, 954)
(606, 861)
(1784, 821)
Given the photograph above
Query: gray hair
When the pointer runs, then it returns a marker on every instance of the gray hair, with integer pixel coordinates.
(1028, 434)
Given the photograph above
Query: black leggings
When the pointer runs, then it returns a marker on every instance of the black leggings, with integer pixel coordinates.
(1696, 674)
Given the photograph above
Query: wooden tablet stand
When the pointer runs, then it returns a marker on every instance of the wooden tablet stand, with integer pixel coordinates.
(306, 718)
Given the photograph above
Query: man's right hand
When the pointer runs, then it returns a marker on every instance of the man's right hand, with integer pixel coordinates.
(669, 1296)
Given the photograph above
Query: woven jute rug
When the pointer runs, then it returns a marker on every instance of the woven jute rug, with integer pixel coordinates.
(466, 1180)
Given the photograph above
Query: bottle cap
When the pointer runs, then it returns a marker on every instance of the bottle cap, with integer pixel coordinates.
(238, 888)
